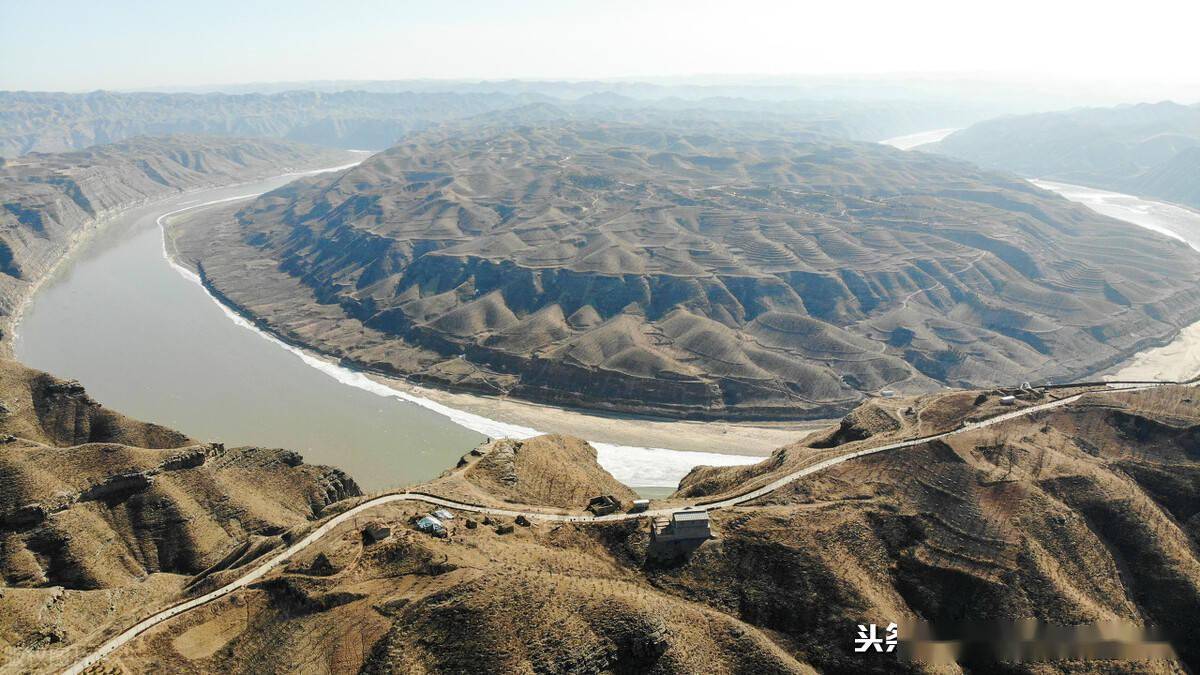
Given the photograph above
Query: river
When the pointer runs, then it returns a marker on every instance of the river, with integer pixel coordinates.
(146, 339)
(910, 141)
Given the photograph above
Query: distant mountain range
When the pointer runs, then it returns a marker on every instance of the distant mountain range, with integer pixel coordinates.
(51, 122)
(1152, 150)
(55, 122)
(695, 269)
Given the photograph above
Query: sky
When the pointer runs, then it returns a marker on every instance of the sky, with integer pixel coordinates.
(67, 45)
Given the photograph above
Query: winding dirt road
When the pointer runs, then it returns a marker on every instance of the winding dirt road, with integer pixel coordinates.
(533, 513)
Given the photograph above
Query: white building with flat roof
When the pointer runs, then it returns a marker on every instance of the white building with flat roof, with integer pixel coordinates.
(682, 526)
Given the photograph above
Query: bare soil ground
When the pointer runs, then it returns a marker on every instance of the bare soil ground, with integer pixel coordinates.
(1085, 514)
(740, 275)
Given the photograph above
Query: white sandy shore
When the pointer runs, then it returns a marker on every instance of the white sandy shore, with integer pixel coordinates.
(1178, 361)
(756, 439)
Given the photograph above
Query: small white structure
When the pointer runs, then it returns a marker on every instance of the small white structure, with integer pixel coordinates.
(442, 514)
(887, 393)
(683, 525)
(639, 505)
(1008, 400)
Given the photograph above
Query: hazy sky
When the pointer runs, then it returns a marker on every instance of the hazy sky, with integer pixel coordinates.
(114, 44)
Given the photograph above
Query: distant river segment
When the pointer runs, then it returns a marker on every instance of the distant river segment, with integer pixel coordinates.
(910, 141)
(1174, 221)
(150, 342)
(1179, 360)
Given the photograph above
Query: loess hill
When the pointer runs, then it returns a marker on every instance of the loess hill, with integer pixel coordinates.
(1082, 514)
(49, 201)
(60, 122)
(102, 516)
(1148, 149)
(722, 272)
(1085, 514)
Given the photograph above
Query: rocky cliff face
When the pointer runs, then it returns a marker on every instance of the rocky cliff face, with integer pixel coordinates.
(721, 273)
(44, 409)
(48, 201)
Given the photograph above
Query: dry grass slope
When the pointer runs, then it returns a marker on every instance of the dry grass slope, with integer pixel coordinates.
(102, 516)
(740, 274)
(1085, 514)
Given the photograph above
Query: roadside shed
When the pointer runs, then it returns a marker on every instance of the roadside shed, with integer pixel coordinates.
(431, 525)
(682, 526)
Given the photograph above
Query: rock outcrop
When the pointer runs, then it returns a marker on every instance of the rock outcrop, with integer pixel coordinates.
(551, 470)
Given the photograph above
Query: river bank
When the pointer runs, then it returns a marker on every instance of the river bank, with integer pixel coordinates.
(645, 453)
(1180, 359)
(143, 335)
(10, 325)
(657, 469)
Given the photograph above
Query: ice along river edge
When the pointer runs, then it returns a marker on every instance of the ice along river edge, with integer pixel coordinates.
(636, 466)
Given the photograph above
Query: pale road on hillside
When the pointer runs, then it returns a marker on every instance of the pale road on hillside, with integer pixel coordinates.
(534, 514)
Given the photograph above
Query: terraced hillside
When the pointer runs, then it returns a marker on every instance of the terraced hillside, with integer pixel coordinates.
(1150, 150)
(101, 515)
(1083, 516)
(724, 272)
(49, 201)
